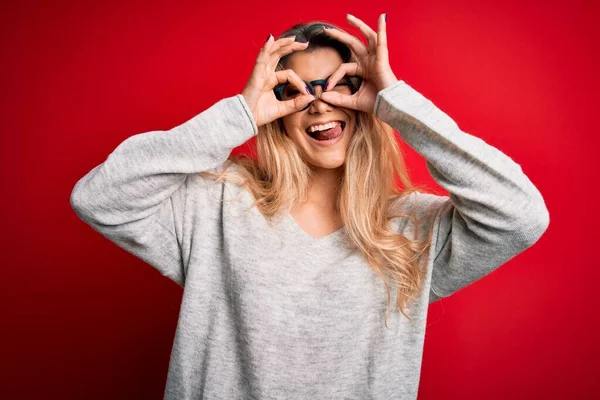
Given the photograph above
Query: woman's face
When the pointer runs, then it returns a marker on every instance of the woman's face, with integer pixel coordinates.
(318, 64)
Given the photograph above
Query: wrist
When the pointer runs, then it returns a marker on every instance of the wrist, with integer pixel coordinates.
(251, 106)
(387, 81)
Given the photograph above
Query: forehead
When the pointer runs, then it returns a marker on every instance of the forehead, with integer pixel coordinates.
(317, 64)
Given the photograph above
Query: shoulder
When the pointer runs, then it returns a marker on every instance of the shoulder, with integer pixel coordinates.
(417, 210)
(227, 174)
(223, 183)
(420, 204)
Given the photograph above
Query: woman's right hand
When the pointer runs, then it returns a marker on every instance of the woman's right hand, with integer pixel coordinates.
(258, 92)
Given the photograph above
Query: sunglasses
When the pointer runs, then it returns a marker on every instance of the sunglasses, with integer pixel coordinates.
(348, 85)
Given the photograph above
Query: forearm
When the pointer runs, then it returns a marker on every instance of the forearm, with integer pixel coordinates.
(145, 169)
(484, 184)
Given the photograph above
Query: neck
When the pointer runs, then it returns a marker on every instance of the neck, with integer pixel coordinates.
(324, 188)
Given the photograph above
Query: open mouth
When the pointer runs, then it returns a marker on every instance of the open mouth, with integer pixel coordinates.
(332, 131)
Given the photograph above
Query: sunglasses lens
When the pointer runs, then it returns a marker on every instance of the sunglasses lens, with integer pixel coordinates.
(348, 85)
(290, 92)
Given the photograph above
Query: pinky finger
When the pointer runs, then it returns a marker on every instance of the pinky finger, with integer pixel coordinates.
(382, 50)
(263, 56)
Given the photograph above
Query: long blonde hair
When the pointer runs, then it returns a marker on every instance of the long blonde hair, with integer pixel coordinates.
(369, 196)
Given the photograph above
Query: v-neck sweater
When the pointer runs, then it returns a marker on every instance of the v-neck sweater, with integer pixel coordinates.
(270, 312)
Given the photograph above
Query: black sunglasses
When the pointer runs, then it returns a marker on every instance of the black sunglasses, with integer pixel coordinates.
(352, 82)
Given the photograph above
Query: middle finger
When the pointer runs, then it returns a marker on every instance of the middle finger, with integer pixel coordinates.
(365, 29)
(284, 50)
(353, 42)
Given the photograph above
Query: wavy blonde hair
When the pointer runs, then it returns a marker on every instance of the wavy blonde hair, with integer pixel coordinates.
(368, 198)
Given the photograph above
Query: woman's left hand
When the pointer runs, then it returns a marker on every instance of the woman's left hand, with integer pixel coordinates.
(372, 64)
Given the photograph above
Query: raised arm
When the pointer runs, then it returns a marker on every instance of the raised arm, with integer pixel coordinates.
(136, 198)
(493, 212)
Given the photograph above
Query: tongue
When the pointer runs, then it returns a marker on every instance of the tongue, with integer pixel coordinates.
(329, 133)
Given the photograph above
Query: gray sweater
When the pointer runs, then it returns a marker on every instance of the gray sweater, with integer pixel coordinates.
(272, 312)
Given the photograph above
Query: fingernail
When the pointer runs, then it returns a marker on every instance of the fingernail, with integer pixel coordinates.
(307, 90)
(325, 86)
(268, 37)
(327, 27)
(385, 17)
(351, 16)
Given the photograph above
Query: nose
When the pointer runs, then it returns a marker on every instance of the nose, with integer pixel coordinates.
(318, 105)
(318, 89)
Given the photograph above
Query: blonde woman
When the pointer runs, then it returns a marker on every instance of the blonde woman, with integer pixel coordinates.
(290, 262)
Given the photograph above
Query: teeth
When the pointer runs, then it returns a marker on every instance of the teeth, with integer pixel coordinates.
(316, 128)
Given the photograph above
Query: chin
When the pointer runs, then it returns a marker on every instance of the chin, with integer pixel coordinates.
(330, 164)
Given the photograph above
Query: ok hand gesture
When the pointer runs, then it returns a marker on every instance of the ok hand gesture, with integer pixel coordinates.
(258, 92)
(372, 65)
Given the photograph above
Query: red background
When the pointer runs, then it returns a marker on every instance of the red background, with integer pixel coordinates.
(81, 318)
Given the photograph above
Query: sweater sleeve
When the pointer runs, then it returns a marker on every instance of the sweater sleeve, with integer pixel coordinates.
(136, 198)
(493, 211)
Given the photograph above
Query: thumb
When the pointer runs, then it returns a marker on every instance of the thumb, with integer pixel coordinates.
(338, 99)
(297, 104)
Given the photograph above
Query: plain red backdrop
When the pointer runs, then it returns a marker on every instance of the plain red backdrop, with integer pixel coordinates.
(81, 318)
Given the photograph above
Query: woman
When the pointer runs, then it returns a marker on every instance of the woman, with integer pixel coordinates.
(288, 262)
